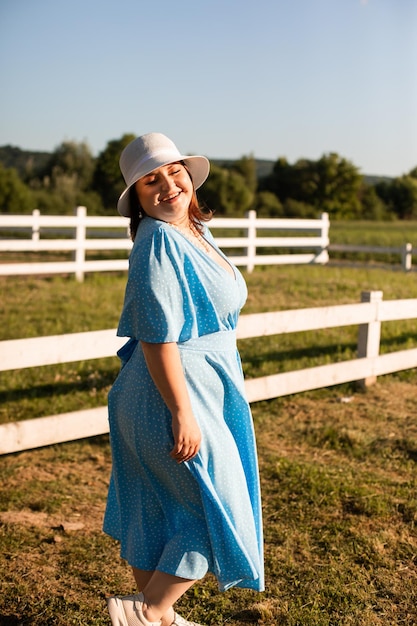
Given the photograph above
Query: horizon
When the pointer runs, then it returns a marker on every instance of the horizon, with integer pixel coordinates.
(210, 158)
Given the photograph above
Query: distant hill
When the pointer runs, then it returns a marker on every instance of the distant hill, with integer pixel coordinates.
(374, 180)
(263, 166)
(26, 162)
(29, 162)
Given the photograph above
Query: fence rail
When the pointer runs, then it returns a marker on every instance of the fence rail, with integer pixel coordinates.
(78, 228)
(368, 315)
(405, 252)
(81, 233)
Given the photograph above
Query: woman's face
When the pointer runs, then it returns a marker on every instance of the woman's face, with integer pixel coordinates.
(165, 194)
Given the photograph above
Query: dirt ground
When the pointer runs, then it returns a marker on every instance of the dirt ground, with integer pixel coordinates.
(55, 561)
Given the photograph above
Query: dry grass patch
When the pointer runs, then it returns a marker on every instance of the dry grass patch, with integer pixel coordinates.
(338, 470)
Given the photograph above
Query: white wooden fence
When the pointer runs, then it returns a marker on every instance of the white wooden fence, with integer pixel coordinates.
(404, 252)
(368, 315)
(78, 242)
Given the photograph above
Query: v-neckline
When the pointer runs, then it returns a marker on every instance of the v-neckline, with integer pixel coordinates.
(217, 252)
(230, 269)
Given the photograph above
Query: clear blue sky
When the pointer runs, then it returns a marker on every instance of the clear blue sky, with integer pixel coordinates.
(224, 78)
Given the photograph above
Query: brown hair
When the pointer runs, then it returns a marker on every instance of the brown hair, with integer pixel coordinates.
(197, 213)
(136, 214)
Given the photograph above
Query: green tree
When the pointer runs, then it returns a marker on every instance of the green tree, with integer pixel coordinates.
(413, 172)
(266, 204)
(330, 184)
(296, 208)
(372, 207)
(15, 196)
(399, 196)
(246, 167)
(107, 180)
(70, 161)
(65, 181)
(339, 183)
(297, 182)
(64, 199)
(226, 192)
(281, 180)
(27, 163)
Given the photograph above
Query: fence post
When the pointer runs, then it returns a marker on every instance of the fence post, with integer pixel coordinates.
(369, 334)
(35, 224)
(251, 235)
(80, 236)
(407, 256)
(324, 233)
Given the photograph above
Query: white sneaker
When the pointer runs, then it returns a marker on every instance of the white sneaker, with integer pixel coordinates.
(127, 611)
(180, 621)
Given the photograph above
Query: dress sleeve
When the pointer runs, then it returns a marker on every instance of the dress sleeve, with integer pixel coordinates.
(165, 299)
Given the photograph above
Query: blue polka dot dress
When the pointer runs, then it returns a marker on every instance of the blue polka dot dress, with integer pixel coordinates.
(205, 514)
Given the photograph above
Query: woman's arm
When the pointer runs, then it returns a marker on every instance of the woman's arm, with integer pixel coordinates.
(165, 367)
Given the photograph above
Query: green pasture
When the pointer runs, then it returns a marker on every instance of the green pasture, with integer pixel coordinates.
(389, 234)
(381, 234)
(338, 466)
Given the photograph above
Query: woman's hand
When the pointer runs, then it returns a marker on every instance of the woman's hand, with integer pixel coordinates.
(187, 437)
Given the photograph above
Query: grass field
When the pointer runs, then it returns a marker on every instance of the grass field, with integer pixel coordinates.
(387, 234)
(338, 468)
(381, 234)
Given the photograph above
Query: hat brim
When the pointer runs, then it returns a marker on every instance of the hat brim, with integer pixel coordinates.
(198, 166)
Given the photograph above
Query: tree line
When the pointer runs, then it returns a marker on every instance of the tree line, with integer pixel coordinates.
(70, 176)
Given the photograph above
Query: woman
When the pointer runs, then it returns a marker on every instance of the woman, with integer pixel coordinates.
(184, 493)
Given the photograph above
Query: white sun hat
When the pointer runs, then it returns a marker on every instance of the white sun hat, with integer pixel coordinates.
(148, 152)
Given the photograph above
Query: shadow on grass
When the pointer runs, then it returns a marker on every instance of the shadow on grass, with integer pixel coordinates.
(284, 356)
(100, 383)
(399, 342)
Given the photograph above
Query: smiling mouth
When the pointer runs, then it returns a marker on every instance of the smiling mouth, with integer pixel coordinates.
(171, 197)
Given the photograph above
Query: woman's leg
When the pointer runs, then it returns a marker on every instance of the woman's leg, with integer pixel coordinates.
(161, 591)
(142, 577)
